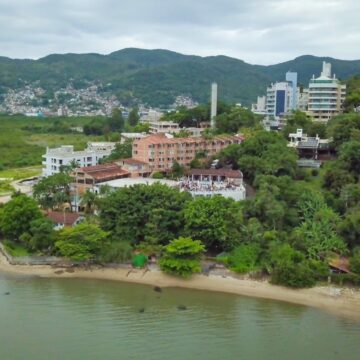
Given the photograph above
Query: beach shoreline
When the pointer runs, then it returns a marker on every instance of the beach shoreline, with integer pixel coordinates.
(341, 301)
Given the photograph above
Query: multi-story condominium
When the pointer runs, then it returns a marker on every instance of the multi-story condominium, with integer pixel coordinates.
(279, 99)
(160, 151)
(326, 95)
(56, 159)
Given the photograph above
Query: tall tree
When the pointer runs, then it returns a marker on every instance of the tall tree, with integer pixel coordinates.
(53, 191)
(83, 242)
(134, 116)
(17, 215)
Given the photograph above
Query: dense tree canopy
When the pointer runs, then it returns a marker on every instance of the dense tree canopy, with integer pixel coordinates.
(18, 215)
(53, 191)
(153, 214)
(215, 221)
(83, 242)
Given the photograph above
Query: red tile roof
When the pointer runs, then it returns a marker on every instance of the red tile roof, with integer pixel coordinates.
(104, 172)
(58, 217)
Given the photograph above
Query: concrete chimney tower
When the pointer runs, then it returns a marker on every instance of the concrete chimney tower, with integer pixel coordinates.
(213, 104)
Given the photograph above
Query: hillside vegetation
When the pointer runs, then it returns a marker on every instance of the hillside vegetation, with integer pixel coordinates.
(156, 77)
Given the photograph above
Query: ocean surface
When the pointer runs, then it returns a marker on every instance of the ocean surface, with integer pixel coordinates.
(90, 319)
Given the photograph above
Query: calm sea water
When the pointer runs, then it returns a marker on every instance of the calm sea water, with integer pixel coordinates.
(85, 319)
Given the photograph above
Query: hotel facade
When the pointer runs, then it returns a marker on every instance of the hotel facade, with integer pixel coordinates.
(160, 151)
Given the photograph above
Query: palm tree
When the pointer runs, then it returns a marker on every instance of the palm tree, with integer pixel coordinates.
(89, 200)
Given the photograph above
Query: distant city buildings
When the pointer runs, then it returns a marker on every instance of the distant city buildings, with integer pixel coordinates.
(321, 100)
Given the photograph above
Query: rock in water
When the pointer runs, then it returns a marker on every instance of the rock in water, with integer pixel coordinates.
(157, 289)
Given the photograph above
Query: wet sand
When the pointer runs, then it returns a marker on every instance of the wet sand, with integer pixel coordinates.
(337, 300)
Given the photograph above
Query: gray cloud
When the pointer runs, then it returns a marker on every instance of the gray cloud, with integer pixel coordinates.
(257, 31)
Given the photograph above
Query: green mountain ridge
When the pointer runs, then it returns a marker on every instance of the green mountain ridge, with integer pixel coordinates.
(156, 77)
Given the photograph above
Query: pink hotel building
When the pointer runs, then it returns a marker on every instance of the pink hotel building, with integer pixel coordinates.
(159, 151)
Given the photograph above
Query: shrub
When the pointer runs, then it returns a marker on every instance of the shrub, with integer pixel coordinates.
(244, 258)
(314, 172)
(355, 261)
(182, 257)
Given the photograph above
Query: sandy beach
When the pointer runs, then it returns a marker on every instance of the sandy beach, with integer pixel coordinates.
(337, 300)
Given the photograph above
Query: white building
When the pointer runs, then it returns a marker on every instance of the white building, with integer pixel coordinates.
(326, 95)
(163, 127)
(150, 116)
(260, 106)
(55, 159)
(211, 182)
(279, 99)
(303, 100)
(169, 127)
(132, 136)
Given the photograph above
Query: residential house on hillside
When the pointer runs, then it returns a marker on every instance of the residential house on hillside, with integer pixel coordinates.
(62, 219)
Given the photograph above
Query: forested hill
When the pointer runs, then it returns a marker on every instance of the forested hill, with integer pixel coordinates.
(157, 76)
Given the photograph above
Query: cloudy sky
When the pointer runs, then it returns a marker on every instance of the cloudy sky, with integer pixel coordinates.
(257, 31)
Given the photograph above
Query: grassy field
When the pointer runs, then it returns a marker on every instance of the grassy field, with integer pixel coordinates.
(22, 146)
(20, 173)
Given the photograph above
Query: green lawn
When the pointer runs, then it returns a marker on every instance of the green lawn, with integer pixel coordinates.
(20, 173)
(23, 140)
(5, 187)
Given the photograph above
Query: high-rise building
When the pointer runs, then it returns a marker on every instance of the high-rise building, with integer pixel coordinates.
(279, 99)
(326, 95)
(291, 77)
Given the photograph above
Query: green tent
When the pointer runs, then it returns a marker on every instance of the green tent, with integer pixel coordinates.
(139, 260)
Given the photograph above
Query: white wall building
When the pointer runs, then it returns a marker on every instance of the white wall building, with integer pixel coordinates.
(260, 106)
(132, 136)
(326, 95)
(55, 159)
(150, 116)
(279, 99)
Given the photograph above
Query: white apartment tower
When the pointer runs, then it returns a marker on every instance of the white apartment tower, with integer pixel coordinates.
(326, 95)
(214, 90)
(279, 99)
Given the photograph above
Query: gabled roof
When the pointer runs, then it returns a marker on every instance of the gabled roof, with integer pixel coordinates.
(66, 218)
(104, 172)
